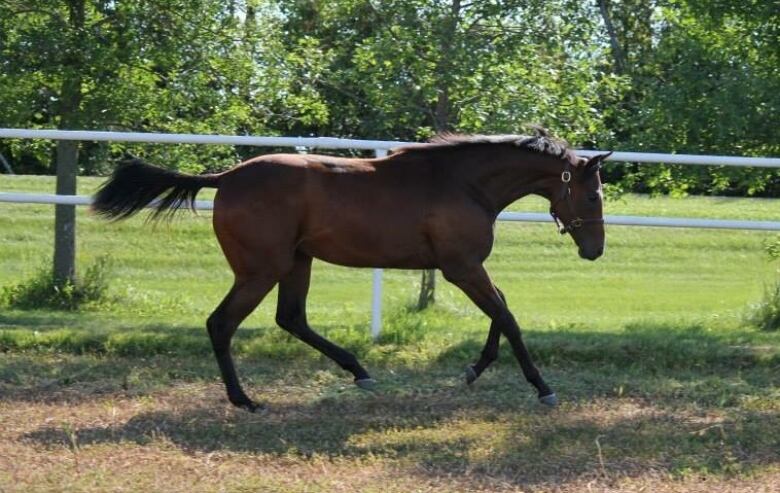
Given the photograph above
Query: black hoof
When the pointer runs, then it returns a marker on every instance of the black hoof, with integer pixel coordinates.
(366, 383)
(250, 406)
(471, 375)
(550, 400)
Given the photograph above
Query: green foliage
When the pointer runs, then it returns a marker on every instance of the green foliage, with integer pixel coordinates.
(703, 80)
(408, 325)
(408, 69)
(170, 66)
(43, 291)
(688, 76)
(766, 314)
(773, 248)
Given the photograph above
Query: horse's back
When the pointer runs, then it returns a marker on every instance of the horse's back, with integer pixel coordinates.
(351, 212)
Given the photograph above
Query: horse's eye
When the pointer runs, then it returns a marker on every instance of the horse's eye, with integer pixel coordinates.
(593, 197)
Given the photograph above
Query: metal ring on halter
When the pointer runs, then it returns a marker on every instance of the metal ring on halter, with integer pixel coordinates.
(576, 223)
(566, 176)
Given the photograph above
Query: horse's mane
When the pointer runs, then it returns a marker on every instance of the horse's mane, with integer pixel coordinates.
(541, 143)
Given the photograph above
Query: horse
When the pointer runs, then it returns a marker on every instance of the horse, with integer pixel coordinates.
(424, 206)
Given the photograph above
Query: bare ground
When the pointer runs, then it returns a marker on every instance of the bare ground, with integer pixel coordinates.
(330, 438)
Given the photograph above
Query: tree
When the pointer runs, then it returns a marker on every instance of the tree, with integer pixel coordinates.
(171, 65)
(703, 80)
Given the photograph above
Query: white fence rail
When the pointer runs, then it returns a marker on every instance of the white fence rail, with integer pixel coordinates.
(531, 217)
(380, 148)
(336, 143)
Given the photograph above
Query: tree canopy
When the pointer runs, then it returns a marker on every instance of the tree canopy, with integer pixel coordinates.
(688, 76)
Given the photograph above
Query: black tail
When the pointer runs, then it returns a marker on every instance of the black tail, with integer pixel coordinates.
(135, 184)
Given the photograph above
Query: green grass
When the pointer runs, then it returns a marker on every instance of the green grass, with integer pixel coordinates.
(660, 275)
(648, 348)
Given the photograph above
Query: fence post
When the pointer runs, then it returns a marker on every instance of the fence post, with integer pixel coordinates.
(64, 264)
(376, 291)
(376, 304)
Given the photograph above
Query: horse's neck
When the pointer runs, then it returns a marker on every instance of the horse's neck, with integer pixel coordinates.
(508, 177)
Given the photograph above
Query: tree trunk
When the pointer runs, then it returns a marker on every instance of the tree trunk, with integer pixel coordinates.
(427, 289)
(7, 166)
(442, 115)
(617, 51)
(64, 269)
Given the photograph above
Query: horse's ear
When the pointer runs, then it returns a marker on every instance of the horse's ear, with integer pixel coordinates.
(594, 163)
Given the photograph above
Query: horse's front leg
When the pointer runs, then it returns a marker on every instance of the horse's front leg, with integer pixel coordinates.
(476, 284)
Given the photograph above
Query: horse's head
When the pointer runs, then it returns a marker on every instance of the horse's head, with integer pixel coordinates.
(577, 204)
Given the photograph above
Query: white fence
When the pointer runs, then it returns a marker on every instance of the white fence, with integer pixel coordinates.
(380, 148)
(336, 143)
(528, 217)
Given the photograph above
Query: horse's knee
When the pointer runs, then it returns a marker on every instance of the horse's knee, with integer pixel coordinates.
(219, 332)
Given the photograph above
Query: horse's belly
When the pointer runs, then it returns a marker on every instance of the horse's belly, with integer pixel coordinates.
(368, 248)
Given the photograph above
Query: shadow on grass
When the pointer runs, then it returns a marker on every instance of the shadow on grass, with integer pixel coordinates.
(70, 335)
(39, 320)
(458, 432)
(649, 346)
(643, 360)
(634, 402)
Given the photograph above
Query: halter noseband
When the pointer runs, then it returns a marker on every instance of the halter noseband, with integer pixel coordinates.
(565, 194)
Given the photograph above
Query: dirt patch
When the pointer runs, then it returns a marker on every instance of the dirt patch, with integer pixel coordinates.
(186, 438)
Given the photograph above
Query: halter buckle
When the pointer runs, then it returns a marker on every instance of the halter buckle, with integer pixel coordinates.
(566, 176)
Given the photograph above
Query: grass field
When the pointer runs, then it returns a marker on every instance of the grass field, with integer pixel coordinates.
(664, 386)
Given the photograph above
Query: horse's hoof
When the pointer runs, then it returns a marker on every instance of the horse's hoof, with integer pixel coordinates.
(258, 409)
(366, 383)
(252, 407)
(550, 400)
(471, 375)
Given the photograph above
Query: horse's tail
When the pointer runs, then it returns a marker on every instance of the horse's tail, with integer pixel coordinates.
(135, 184)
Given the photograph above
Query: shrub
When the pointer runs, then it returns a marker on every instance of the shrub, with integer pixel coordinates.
(43, 291)
(766, 314)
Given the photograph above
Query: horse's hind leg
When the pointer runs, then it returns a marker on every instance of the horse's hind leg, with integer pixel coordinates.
(243, 297)
(291, 316)
(489, 352)
(488, 355)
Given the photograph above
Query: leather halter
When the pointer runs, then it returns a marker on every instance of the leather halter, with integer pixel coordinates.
(577, 222)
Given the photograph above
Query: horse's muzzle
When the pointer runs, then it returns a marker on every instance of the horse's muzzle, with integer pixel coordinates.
(591, 253)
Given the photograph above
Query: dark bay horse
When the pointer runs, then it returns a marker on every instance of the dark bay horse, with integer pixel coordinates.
(425, 206)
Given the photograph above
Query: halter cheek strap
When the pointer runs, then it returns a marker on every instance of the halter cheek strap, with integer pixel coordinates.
(577, 222)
